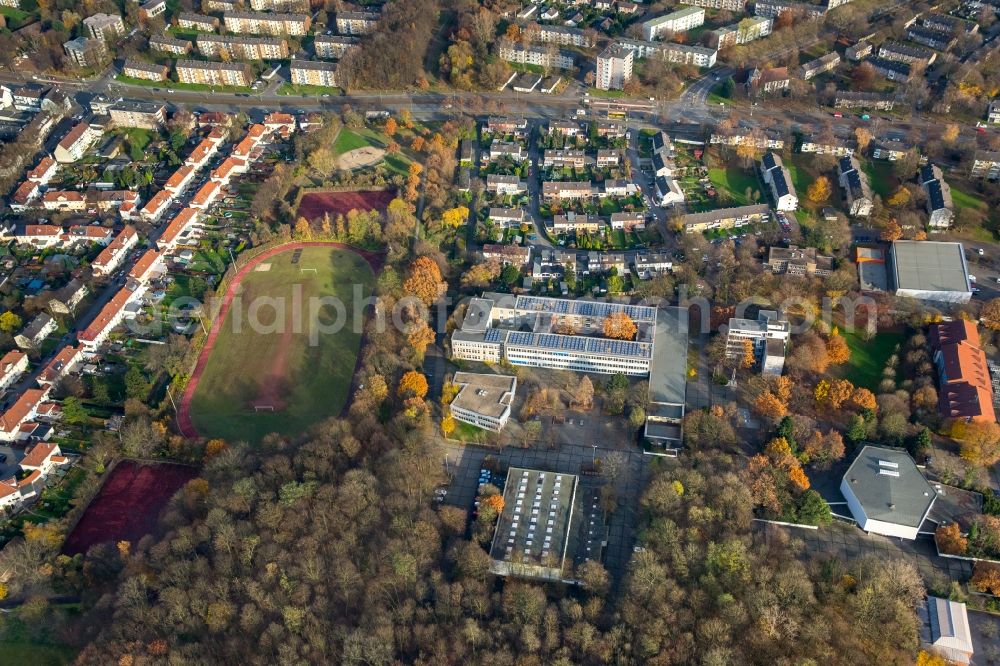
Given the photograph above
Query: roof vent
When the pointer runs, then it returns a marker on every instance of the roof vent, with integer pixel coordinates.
(888, 472)
(886, 463)
(892, 506)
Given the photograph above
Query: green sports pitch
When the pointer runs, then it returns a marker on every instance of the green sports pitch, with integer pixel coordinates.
(270, 367)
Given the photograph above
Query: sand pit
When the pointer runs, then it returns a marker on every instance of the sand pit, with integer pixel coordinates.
(360, 157)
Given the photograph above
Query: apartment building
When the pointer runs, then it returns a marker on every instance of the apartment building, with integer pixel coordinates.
(333, 47)
(993, 112)
(86, 52)
(827, 146)
(614, 67)
(214, 73)
(699, 56)
(864, 100)
(221, 5)
(728, 5)
(764, 140)
(280, 6)
(168, 44)
(314, 73)
(553, 34)
(949, 24)
(858, 51)
(768, 335)
(891, 69)
(356, 23)
(857, 190)
(774, 8)
(940, 208)
(678, 21)
(243, 48)
(779, 179)
(744, 32)
(192, 21)
(726, 218)
(35, 333)
(104, 26)
(536, 55)
(262, 23)
(144, 115)
(908, 53)
(820, 65)
(769, 80)
(966, 391)
(76, 142)
(934, 39)
(483, 400)
(986, 164)
(138, 69)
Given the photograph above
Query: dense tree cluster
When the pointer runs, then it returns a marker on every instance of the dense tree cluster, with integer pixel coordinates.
(392, 57)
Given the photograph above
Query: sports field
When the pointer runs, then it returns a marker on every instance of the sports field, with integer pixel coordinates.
(267, 367)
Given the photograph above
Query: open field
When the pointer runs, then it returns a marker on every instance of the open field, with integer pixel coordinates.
(735, 181)
(868, 357)
(36, 654)
(128, 505)
(313, 205)
(267, 366)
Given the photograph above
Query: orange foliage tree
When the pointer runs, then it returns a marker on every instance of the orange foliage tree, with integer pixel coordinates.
(767, 404)
(620, 327)
(862, 398)
(800, 482)
(950, 540)
(424, 280)
(495, 502)
(837, 350)
(412, 385)
(840, 392)
(986, 577)
(419, 336)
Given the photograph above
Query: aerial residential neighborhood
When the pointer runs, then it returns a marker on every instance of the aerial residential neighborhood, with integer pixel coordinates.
(541, 332)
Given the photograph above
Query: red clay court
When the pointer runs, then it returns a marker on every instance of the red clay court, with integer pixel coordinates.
(313, 205)
(128, 505)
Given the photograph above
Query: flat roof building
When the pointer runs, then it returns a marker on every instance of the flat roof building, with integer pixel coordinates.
(929, 271)
(533, 531)
(944, 629)
(886, 493)
(483, 400)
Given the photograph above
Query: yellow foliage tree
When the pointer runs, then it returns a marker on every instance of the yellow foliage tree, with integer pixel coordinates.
(819, 190)
(303, 230)
(447, 425)
(892, 231)
(214, 447)
(800, 482)
(391, 127)
(620, 326)
(781, 386)
(822, 391)
(412, 385)
(748, 358)
(419, 337)
(900, 197)
(455, 217)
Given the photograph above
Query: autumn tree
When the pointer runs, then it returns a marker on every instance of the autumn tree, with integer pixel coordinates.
(950, 133)
(980, 443)
(420, 336)
(892, 231)
(619, 326)
(418, 144)
(583, 394)
(424, 280)
(950, 540)
(447, 425)
(836, 348)
(767, 404)
(799, 480)
(303, 230)
(986, 577)
(989, 315)
(412, 385)
(862, 398)
(819, 190)
(863, 135)
(391, 127)
(9, 322)
(455, 217)
(482, 275)
(748, 358)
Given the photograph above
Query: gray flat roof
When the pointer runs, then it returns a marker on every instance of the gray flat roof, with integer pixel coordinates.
(489, 395)
(889, 486)
(929, 266)
(477, 315)
(668, 369)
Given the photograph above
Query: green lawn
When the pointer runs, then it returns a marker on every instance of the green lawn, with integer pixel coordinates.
(308, 91)
(35, 654)
(16, 18)
(881, 177)
(868, 357)
(177, 85)
(801, 178)
(735, 181)
(965, 200)
(349, 140)
(469, 433)
(284, 361)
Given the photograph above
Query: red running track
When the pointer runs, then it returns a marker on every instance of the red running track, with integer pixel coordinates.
(184, 422)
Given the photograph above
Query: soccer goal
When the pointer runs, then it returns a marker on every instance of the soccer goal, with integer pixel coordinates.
(263, 408)
(307, 270)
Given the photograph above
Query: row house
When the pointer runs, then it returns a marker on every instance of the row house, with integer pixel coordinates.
(821, 146)
(24, 409)
(507, 255)
(333, 47)
(201, 154)
(566, 128)
(231, 166)
(908, 53)
(567, 190)
(282, 124)
(940, 207)
(884, 148)
(507, 217)
(206, 196)
(611, 130)
(88, 233)
(149, 266)
(608, 157)
(110, 316)
(63, 363)
(64, 200)
(500, 125)
(179, 180)
(764, 140)
(858, 51)
(966, 390)
(44, 171)
(36, 332)
(934, 39)
(507, 149)
(726, 218)
(649, 265)
(41, 236)
(628, 221)
(243, 48)
(313, 73)
(77, 141)
(857, 190)
(890, 69)
(949, 24)
(576, 223)
(820, 65)
(779, 179)
(501, 184)
(261, 23)
(110, 200)
(14, 491)
(13, 364)
(115, 253)
(617, 187)
(24, 197)
(573, 159)
(179, 230)
(157, 206)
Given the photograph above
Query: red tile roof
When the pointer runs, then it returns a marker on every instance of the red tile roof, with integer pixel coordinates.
(966, 390)
(43, 230)
(65, 358)
(18, 412)
(206, 194)
(106, 315)
(9, 360)
(73, 136)
(62, 195)
(25, 191)
(142, 266)
(159, 201)
(39, 172)
(178, 177)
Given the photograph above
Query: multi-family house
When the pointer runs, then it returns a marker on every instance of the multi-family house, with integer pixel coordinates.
(681, 20)
(939, 203)
(265, 23)
(794, 260)
(35, 333)
(74, 145)
(986, 164)
(857, 191)
(777, 177)
(138, 69)
(333, 46)
(243, 48)
(314, 73)
(214, 73)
